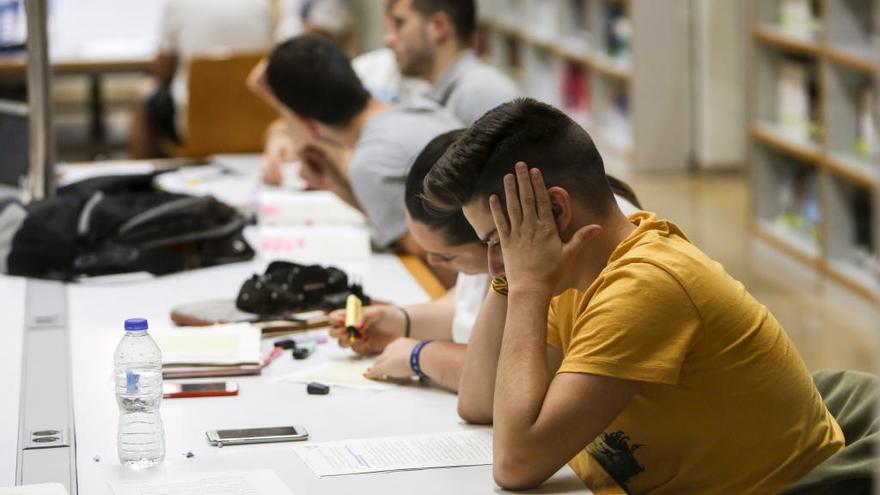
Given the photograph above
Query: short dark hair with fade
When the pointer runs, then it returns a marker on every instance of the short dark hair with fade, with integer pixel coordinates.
(521, 130)
(462, 13)
(312, 76)
(454, 227)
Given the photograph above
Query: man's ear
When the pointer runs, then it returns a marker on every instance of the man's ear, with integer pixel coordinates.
(440, 27)
(560, 203)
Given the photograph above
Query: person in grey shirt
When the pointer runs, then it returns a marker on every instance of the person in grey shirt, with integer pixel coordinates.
(313, 81)
(432, 39)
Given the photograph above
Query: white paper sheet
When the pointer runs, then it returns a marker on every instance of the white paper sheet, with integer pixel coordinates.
(240, 191)
(347, 373)
(255, 482)
(229, 344)
(314, 244)
(41, 489)
(440, 450)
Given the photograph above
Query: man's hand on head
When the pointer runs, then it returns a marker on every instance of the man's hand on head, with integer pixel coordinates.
(534, 254)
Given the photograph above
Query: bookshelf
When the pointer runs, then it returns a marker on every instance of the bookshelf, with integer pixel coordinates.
(814, 115)
(619, 67)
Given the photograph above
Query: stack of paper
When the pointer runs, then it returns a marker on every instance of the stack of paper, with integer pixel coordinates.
(279, 207)
(218, 350)
(313, 244)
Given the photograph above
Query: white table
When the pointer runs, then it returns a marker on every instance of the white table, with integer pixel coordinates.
(96, 311)
(12, 295)
(96, 316)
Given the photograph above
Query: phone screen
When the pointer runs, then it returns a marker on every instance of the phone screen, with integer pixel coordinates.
(201, 387)
(257, 432)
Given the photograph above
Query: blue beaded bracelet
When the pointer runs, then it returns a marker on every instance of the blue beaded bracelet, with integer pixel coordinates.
(414, 360)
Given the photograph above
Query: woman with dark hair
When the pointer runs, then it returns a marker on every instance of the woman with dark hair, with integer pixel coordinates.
(402, 335)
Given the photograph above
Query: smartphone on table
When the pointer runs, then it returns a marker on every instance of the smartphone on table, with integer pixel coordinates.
(212, 389)
(257, 435)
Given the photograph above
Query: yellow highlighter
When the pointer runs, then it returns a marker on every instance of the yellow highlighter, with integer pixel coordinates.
(354, 317)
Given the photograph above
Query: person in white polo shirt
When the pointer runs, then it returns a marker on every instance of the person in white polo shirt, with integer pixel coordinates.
(192, 28)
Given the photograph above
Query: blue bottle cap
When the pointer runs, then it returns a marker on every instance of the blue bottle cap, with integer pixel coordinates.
(133, 324)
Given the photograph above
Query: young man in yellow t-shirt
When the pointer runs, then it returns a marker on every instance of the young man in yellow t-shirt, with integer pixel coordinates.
(625, 351)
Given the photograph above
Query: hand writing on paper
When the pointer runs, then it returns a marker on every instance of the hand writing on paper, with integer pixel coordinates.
(534, 254)
(393, 363)
(382, 324)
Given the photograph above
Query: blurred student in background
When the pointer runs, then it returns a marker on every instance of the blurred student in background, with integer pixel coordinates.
(429, 53)
(192, 28)
(313, 83)
(376, 69)
(432, 40)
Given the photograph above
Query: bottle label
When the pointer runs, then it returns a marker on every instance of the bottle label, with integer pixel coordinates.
(131, 382)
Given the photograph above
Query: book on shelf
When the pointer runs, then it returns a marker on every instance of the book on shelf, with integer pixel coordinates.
(866, 126)
(576, 26)
(543, 19)
(491, 9)
(506, 54)
(618, 33)
(793, 99)
(514, 11)
(503, 51)
(798, 18)
(576, 92)
(543, 71)
(13, 25)
(864, 253)
(615, 125)
(861, 212)
(798, 201)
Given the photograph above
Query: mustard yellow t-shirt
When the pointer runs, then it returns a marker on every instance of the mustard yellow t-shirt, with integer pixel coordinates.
(726, 406)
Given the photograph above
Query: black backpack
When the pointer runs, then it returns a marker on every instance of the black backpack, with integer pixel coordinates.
(119, 224)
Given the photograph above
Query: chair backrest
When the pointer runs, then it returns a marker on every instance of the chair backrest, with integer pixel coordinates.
(223, 116)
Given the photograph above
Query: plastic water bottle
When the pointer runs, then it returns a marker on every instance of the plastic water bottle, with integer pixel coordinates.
(138, 371)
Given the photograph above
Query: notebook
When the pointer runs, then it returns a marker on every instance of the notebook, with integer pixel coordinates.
(218, 350)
